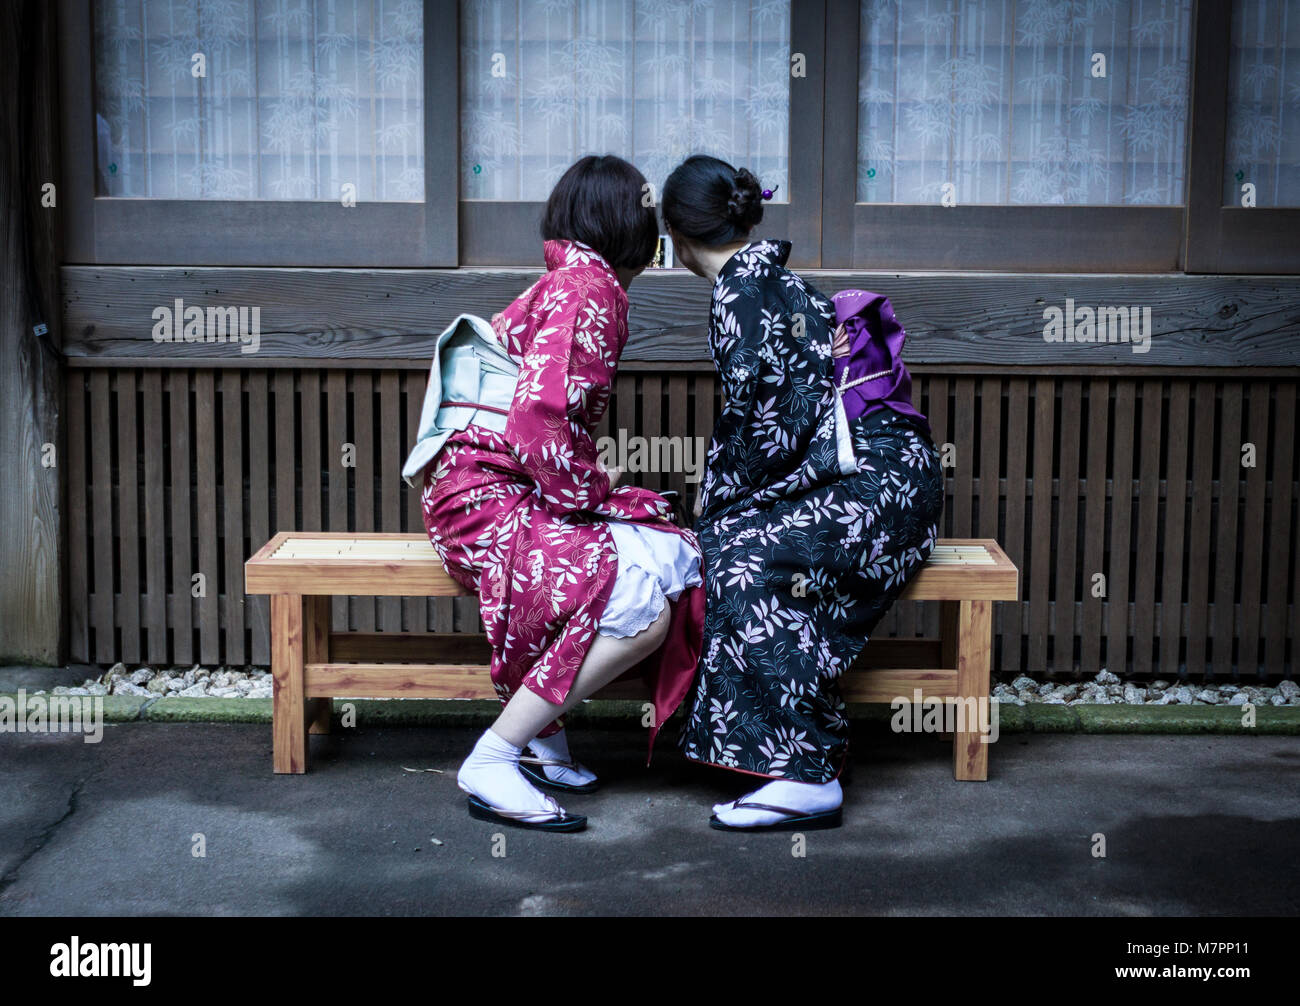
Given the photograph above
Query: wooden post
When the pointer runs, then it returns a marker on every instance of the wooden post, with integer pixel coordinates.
(31, 437)
(974, 655)
(316, 628)
(288, 705)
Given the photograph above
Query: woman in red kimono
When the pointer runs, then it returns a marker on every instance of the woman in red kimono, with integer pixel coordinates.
(579, 579)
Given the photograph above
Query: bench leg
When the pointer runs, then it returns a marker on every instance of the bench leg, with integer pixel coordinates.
(974, 644)
(316, 650)
(288, 702)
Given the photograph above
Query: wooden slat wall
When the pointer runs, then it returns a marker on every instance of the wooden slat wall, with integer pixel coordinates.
(1141, 480)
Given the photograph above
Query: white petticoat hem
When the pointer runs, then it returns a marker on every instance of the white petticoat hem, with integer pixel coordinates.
(653, 567)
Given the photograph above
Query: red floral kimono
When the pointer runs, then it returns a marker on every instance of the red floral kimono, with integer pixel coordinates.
(520, 516)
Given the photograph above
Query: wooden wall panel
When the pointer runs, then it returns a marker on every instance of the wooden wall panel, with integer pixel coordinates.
(1138, 479)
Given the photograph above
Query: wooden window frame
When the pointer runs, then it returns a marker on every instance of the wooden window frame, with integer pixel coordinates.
(1226, 239)
(502, 232)
(107, 230)
(1202, 236)
(1131, 239)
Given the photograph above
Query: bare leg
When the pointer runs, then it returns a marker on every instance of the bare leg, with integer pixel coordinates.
(491, 772)
(527, 712)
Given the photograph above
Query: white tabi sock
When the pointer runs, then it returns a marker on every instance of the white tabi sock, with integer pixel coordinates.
(556, 748)
(805, 797)
(491, 773)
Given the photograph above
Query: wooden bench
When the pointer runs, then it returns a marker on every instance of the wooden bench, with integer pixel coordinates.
(311, 665)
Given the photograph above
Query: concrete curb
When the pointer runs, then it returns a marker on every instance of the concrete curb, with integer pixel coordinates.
(1031, 718)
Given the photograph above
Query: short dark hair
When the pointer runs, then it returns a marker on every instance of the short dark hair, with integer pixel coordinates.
(600, 201)
(711, 202)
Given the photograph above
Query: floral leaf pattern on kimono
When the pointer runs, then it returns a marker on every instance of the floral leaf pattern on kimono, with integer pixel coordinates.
(801, 561)
(520, 516)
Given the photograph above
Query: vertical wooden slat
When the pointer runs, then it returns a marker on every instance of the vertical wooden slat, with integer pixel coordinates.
(1227, 538)
(363, 480)
(392, 457)
(1121, 522)
(232, 505)
(937, 414)
(128, 519)
(1198, 533)
(1037, 588)
(1252, 545)
(1094, 525)
(1067, 525)
(286, 455)
(678, 426)
(339, 478)
(157, 545)
(702, 426)
(963, 437)
(1013, 539)
(257, 607)
(989, 449)
(205, 512)
(101, 499)
(78, 511)
(182, 554)
(1278, 626)
(309, 433)
(1148, 529)
(624, 421)
(1177, 446)
(656, 461)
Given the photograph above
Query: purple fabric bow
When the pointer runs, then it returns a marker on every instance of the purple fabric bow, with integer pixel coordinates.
(875, 347)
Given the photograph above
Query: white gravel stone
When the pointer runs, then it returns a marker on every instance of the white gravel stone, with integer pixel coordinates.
(141, 676)
(123, 687)
(1105, 677)
(1134, 695)
(1024, 683)
(193, 692)
(1209, 696)
(1289, 690)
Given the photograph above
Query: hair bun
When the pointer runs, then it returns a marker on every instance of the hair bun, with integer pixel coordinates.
(745, 206)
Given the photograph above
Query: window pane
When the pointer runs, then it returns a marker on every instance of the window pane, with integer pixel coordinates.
(654, 81)
(1264, 103)
(1004, 101)
(298, 99)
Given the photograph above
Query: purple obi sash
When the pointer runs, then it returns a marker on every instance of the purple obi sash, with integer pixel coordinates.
(872, 375)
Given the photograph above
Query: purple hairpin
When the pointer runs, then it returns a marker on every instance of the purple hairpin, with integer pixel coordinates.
(767, 193)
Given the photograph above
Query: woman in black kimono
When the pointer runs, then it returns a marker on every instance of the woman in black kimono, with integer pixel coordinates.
(811, 525)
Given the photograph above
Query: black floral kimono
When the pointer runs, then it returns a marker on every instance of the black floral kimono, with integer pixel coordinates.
(805, 544)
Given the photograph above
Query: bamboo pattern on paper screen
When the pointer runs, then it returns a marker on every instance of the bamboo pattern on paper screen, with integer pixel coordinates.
(1264, 103)
(998, 98)
(544, 82)
(299, 98)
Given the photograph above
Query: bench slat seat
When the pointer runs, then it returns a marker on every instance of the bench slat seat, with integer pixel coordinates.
(311, 665)
(322, 562)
